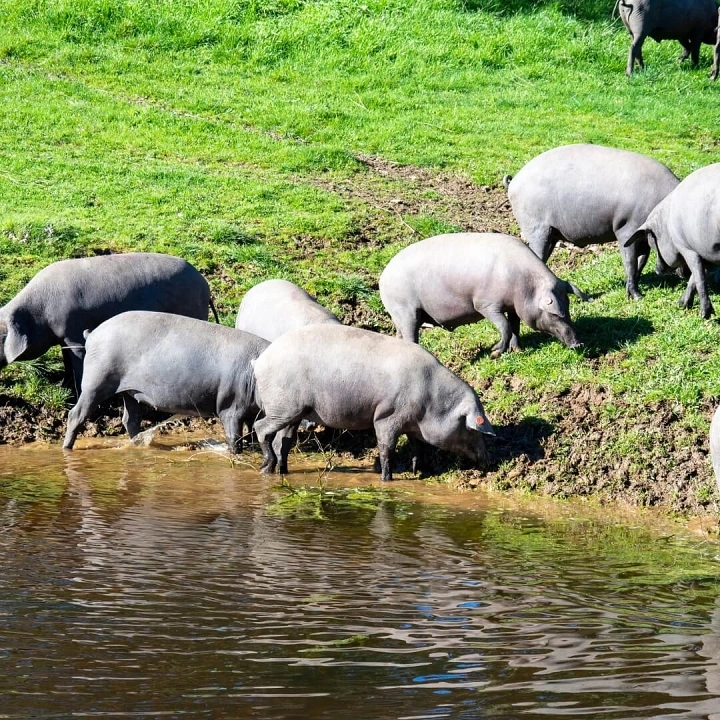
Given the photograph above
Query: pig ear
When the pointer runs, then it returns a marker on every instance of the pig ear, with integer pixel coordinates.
(479, 423)
(16, 341)
(549, 303)
(570, 288)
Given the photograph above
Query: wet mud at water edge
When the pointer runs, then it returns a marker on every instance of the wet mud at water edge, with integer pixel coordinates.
(167, 581)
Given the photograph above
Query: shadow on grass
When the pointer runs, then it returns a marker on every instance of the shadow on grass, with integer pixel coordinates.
(582, 9)
(600, 335)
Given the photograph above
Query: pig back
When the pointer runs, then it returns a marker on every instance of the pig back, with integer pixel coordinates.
(345, 374)
(587, 192)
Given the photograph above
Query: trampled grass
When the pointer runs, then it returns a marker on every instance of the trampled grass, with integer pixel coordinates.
(221, 131)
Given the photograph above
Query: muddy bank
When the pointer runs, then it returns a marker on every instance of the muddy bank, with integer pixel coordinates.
(572, 451)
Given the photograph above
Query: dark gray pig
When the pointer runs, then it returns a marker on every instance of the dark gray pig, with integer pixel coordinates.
(71, 296)
(174, 364)
(588, 194)
(460, 278)
(273, 307)
(691, 22)
(354, 379)
(685, 230)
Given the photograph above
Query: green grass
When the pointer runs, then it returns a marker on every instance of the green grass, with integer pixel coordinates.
(221, 130)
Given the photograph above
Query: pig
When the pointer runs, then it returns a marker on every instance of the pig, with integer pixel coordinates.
(691, 22)
(348, 378)
(69, 297)
(684, 229)
(586, 194)
(273, 307)
(715, 445)
(173, 363)
(460, 278)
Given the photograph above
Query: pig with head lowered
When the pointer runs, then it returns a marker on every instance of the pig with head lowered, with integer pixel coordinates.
(172, 363)
(684, 229)
(690, 22)
(460, 278)
(273, 307)
(588, 194)
(71, 296)
(348, 378)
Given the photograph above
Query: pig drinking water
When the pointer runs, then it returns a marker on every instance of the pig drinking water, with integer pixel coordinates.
(354, 379)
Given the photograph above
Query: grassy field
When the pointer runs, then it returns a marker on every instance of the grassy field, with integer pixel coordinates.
(312, 139)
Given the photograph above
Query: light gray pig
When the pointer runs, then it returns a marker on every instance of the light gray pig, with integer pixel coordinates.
(691, 22)
(588, 194)
(175, 364)
(715, 445)
(71, 296)
(354, 379)
(273, 307)
(460, 278)
(685, 230)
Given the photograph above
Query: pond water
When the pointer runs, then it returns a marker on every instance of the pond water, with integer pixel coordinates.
(166, 583)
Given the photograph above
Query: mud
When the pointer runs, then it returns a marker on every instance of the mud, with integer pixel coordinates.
(572, 451)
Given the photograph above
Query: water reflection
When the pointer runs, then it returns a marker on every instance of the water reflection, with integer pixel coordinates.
(151, 583)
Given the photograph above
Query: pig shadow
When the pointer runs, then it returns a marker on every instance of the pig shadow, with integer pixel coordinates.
(599, 335)
(522, 438)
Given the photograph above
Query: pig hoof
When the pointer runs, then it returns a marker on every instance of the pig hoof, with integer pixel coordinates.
(267, 468)
(495, 354)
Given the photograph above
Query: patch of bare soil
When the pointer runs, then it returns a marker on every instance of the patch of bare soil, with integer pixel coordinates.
(594, 444)
(401, 191)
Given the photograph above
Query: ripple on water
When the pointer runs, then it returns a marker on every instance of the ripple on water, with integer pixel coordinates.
(146, 583)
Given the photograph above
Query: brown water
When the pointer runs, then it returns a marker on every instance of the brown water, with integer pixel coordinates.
(158, 583)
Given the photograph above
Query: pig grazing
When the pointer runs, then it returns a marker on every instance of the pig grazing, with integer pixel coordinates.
(273, 307)
(459, 278)
(685, 230)
(691, 22)
(71, 296)
(175, 364)
(588, 194)
(354, 379)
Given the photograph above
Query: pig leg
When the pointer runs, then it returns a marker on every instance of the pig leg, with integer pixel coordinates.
(514, 321)
(407, 324)
(131, 415)
(232, 420)
(542, 241)
(504, 326)
(266, 428)
(631, 263)
(697, 271)
(88, 401)
(635, 54)
(73, 354)
(686, 301)
(387, 435)
(282, 444)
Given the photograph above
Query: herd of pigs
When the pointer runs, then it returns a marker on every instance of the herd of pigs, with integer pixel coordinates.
(136, 324)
